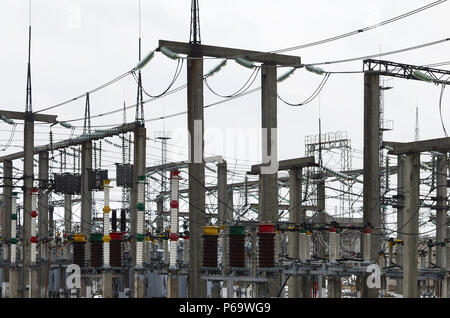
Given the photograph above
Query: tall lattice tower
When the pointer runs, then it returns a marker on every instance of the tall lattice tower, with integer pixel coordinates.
(323, 145)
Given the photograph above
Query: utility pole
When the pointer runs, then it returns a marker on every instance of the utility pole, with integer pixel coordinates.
(43, 218)
(441, 215)
(6, 226)
(371, 187)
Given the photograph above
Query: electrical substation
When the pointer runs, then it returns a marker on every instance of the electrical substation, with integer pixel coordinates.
(171, 232)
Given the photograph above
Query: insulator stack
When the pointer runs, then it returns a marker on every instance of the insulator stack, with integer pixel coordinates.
(174, 205)
(13, 240)
(123, 221)
(332, 246)
(140, 222)
(366, 238)
(114, 220)
(96, 245)
(210, 240)
(106, 230)
(115, 249)
(186, 249)
(308, 245)
(33, 238)
(79, 256)
(236, 246)
(302, 245)
(266, 245)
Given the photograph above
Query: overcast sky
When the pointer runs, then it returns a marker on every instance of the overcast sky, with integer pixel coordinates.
(79, 44)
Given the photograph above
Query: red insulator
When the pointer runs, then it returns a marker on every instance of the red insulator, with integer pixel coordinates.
(174, 173)
(34, 214)
(236, 251)
(173, 236)
(210, 250)
(33, 239)
(174, 204)
(79, 251)
(97, 254)
(266, 250)
(115, 250)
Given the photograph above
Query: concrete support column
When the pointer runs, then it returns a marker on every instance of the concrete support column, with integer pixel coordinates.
(222, 208)
(28, 167)
(43, 219)
(295, 210)
(140, 134)
(371, 187)
(400, 213)
(411, 224)
(6, 217)
(268, 178)
(86, 204)
(197, 218)
(107, 284)
(441, 210)
(67, 222)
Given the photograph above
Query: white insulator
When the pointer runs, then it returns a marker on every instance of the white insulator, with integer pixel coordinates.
(13, 229)
(174, 220)
(13, 205)
(106, 195)
(34, 201)
(332, 247)
(13, 253)
(33, 252)
(106, 257)
(139, 253)
(367, 238)
(302, 247)
(141, 193)
(173, 254)
(308, 246)
(33, 227)
(140, 222)
(106, 223)
(186, 251)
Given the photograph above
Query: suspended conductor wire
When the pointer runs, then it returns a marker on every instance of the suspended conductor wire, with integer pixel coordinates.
(174, 79)
(240, 91)
(359, 31)
(90, 92)
(11, 137)
(420, 46)
(440, 109)
(310, 98)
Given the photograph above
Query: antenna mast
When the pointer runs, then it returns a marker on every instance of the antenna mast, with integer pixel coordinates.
(195, 37)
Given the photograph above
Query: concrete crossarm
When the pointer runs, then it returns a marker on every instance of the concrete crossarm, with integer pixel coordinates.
(288, 164)
(223, 52)
(98, 134)
(51, 119)
(398, 148)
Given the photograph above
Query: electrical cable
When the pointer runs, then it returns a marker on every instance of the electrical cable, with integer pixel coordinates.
(312, 97)
(243, 89)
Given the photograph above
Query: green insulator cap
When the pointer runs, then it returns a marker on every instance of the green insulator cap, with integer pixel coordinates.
(141, 178)
(140, 237)
(237, 230)
(140, 206)
(13, 216)
(13, 241)
(96, 237)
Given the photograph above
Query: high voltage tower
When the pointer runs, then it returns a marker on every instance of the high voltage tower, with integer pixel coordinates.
(213, 226)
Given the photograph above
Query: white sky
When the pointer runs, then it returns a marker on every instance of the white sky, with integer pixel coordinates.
(69, 58)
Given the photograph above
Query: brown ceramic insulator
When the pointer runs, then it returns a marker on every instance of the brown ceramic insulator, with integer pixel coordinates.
(115, 253)
(266, 250)
(210, 251)
(96, 254)
(79, 251)
(236, 250)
